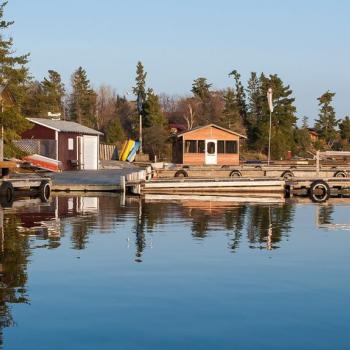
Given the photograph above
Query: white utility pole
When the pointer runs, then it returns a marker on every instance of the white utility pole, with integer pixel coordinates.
(269, 100)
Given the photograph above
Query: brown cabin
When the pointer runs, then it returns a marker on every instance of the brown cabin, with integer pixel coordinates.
(207, 145)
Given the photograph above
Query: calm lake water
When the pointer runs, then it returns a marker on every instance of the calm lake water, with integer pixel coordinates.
(98, 273)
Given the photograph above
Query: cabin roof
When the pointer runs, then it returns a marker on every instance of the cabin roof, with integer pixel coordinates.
(210, 125)
(64, 126)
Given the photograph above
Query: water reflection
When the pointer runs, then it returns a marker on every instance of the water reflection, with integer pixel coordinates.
(263, 226)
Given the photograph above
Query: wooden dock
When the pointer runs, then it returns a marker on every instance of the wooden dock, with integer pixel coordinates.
(317, 189)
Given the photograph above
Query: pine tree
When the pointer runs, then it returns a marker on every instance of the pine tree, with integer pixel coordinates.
(283, 118)
(114, 131)
(153, 114)
(327, 122)
(140, 88)
(53, 93)
(200, 88)
(240, 96)
(82, 99)
(255, 101)
(344, 127)
(305, 122)
(231, 112)
(13, 77)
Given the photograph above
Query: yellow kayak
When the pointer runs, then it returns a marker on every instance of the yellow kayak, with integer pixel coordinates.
(122, 150)
(128, 148)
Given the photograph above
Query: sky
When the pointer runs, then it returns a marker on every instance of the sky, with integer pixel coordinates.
(305, 42)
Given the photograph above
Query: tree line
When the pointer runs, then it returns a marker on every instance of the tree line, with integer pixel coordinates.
(240, 107)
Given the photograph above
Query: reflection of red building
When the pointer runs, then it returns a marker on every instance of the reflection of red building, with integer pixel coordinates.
(46, 218)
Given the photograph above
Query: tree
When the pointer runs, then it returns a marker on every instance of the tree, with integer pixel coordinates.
(140, 88)
(283, 118)
(200, 89)
(231, 113)
(327, 122)
(53, 93)
(82, 99)
(344, 127)
(14, 77)
(114, 131)
(105, 106)
(155, 141)
(255, 100)
(240, 96)
(153, 114)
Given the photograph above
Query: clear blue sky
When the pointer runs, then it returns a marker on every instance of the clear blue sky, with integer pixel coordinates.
(306, 42)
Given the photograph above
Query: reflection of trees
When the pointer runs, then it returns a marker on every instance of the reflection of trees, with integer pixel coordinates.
(200, 223)
(269, 223)
(234, 222)
(325, 214)
(147, 218)
(13, 261)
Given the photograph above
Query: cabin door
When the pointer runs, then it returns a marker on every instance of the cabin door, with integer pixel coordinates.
(211, 152)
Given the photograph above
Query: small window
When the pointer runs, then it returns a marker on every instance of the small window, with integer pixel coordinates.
(191, 146)
(70, 145)
(231, 147)
(201, 146)
(211, 147)
(221, 146)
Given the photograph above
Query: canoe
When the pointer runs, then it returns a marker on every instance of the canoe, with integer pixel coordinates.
(122, 150)
(44, 162)
(127, 150)
(132, 154)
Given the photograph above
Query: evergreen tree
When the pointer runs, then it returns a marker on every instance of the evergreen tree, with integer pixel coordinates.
(231, 112)
(254, 108)
(283, 118)
(53, 93)
(13, 77)
(327, 122)
(303, 142)
(240, 96)
(344, 127)
(82, 99)
(140, 88)
(153, 114)
(33, 101)
(200, 89)
(305, 122)
(114, 131)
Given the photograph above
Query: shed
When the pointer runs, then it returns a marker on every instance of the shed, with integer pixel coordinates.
(74, 145)
(207, 145)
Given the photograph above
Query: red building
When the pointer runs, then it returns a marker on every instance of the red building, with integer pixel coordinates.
(74, 145)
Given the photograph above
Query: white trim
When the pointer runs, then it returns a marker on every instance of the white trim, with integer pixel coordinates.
(56, 139)
(212, 126)
(98, 152)
(42, 124)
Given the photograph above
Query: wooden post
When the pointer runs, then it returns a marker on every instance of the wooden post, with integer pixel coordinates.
(318, 163)
(122, 184)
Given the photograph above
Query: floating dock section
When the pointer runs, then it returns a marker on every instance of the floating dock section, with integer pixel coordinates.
(212, 186)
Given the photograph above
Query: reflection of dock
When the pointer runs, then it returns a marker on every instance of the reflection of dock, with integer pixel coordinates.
(219, 200)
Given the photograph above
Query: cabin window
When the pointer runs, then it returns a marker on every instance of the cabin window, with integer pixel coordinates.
(221, 146)
(201, 146)
(231, 147)
(70, 145)
(190, 146)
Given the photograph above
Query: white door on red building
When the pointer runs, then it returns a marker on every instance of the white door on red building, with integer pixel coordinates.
(90, 152)
(211, 152)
